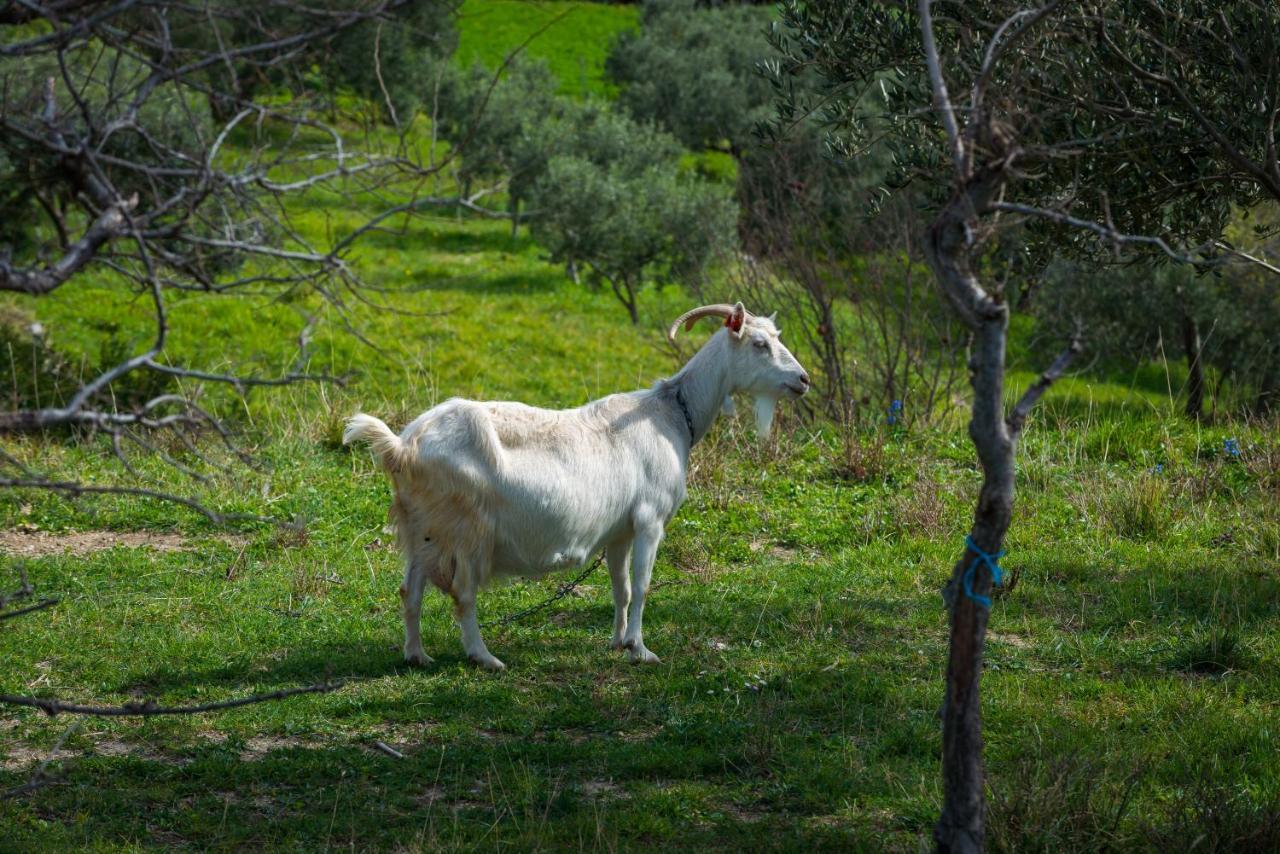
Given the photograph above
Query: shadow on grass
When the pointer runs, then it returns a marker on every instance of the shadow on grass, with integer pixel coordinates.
(442, 796)
(358, 660)
(1196, 589)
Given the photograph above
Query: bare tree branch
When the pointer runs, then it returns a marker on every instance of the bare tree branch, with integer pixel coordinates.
(109, 225)
(1018, 417)
(1110, 234)
(38, 606)
(941, 100)
(149, 708)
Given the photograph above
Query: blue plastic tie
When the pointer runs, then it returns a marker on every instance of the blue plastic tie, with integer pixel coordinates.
(990, 561)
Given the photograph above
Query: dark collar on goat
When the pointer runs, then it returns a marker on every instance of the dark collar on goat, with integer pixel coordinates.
(684, 410)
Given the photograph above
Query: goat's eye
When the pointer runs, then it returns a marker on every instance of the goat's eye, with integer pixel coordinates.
(760, 344)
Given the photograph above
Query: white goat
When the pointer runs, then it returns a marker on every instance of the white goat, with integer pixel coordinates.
(493, 489)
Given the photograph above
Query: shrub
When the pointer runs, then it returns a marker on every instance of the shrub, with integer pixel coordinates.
(629, 225)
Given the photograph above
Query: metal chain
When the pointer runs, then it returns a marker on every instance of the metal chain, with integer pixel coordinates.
(564, 590)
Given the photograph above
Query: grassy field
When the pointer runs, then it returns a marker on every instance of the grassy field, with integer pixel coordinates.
(1131, 699)
(1131, 675)
(573, 38)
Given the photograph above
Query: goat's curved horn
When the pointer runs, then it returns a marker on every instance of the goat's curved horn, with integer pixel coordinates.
(693, 315)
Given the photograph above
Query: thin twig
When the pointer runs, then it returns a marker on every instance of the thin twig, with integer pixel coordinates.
(148, 708)
(39, 606)
(388, 749)
(41, 778)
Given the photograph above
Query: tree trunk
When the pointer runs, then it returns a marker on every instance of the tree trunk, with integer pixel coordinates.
(961, 827)
(1195, 370)
(626, 294)
(513, 207)
(1268, 393)
(949, 250)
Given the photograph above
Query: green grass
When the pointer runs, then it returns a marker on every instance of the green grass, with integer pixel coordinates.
(797, 614)
(1131, 695)
(574, 44)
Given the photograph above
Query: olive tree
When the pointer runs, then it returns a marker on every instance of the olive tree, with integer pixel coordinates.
(125, 161)
(397, 62)
(510, 129)
(692, 69)
(1007, 112)
(1222, 322)
(619, 203)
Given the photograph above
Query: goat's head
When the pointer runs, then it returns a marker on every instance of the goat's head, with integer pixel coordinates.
(759, 363)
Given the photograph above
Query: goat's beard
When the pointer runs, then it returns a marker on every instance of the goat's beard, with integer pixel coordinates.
(764, 408)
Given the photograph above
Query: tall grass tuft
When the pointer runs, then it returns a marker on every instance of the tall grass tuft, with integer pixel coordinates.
(1067, 804)
(1140, 509)
(1214, 819)
(1212, 653)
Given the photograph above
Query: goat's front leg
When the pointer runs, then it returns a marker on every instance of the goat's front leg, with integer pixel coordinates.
(464, 611)
(618, 557)
(642, 555)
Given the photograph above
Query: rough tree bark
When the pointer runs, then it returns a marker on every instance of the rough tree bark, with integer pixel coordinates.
(949, 251)
(960, 827)
(1195, 370)
(983, 155)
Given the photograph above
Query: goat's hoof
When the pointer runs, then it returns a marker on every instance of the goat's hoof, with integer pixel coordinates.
(488, 662)
(417, 657)
(641, 655)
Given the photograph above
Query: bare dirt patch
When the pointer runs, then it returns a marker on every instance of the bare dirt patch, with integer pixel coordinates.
(24, 757)
(1010, 639)
(780, 553)
(598, 790)
(31, 543)
(20, 757)
(260, 745)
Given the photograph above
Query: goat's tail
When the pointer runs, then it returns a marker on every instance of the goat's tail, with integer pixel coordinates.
(387, 445)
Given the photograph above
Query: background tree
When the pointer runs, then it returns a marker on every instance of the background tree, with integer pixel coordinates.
(619, 203)
(1221, 323)
(122, 163)
(692, 70)
(510, 130)
(397, 62)
(1042, 116)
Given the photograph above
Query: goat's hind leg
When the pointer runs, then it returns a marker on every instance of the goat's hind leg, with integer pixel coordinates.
(643, 553)
(415, 578)
(464, 610)
(618, 557)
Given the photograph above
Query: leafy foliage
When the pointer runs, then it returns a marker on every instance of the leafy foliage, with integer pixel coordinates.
(692, 70)
(1138, 312)
(509, 128)
(617, 202)
(1152, 117)
(408, 49)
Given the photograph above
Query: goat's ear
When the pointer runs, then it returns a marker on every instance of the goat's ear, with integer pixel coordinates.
(736, 320)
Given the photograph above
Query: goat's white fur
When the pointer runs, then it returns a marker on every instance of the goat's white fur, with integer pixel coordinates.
(488, 489)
